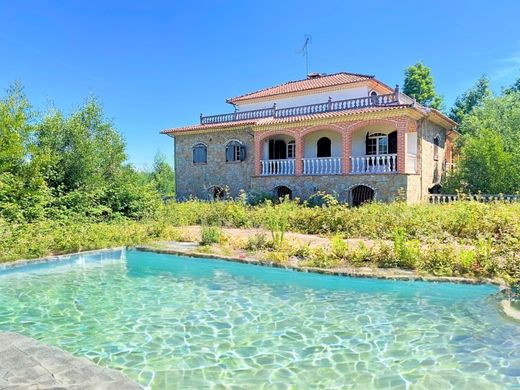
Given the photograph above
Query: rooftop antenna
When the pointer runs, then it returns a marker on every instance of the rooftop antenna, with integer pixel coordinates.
(305, 52)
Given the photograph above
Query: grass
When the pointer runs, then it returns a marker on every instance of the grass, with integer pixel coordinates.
(460, 238)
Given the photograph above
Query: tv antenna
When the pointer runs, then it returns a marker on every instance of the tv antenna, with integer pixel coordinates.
(305, 52)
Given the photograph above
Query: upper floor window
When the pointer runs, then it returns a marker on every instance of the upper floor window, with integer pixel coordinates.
(291, 149)
(436, 143)
(376, 143)
(235, 151)
(373, 93)
(200, 153)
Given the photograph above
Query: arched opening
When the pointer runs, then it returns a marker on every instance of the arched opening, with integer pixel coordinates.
(277, 149)
(282, 191)
(323, 147)
(361, 194)
(218, 193)
(373, 93)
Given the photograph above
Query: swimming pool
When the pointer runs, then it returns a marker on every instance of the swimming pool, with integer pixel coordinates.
(177, 322)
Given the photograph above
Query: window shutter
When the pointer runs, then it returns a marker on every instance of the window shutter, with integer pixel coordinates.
(242, 152)
(229, 152)
(367, 140)
(204, 155)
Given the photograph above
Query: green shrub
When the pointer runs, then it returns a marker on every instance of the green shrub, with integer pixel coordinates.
(438, 260)
(258, 241)
(406, 252)
(210, 235)
(338, 247)
(319, 257)
(322, 199)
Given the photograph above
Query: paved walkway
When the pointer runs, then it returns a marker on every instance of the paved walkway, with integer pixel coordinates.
(28, 364)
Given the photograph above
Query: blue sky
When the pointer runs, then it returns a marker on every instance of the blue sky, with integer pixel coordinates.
(159, 64)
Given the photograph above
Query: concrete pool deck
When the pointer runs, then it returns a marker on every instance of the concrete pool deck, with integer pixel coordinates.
(28, 364)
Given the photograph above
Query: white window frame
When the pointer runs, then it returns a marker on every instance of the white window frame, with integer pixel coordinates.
(381, 139)
(291, 149)
(236, 150)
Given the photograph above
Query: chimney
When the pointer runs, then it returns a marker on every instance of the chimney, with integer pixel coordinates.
(313, 75)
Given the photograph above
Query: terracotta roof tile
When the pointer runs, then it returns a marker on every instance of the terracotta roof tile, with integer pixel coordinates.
(321, 81)
(271, 120)
(210, 126)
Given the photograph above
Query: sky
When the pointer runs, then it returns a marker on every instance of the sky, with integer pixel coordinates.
(160, 64)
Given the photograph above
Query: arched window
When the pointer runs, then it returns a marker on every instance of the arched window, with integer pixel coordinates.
(235, 151)
(373, 93)
(200, 153)
(323, 147)
(376, 143)
(361, 194)
(217, 193)
(436, 143)
(282, 191)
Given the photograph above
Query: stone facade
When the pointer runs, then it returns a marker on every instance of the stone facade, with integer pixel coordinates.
(386, 187)
(199, 180)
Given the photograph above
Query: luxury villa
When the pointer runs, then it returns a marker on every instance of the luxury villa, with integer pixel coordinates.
(342, 133)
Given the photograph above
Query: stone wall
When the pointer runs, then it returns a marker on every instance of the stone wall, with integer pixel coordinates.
(430, 169)
(386, 187)
(198, 180)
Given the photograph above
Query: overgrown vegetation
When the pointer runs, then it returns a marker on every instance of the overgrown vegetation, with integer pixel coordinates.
(65, 186)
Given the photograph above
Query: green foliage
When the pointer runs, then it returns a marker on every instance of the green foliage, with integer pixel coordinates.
(322, 199)
(470, 99)
(418, 84)
(210, 235)
(406, 252)
(339, 247)
(489, 148)
(257, 242)
(59, 166)
(163, 176)
(276, 219)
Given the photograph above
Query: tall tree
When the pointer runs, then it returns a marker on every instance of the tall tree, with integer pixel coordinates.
(163, 175)
(470, 99)
(418, 83)
(513, 88)
(489, 148)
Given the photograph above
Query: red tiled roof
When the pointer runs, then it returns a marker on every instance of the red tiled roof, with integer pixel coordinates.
(210, 126)
(304, 85)
(271, 120)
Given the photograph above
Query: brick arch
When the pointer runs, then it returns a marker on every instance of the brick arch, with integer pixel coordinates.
(266, 134)
(372, 122)
(335, 128)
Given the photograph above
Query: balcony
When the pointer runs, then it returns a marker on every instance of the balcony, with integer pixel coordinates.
(374, 164)
(318, 108)
(322, 166)
(279, 167)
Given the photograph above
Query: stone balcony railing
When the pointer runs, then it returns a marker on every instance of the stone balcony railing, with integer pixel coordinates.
(318, 108)
(368, 165)
(322, 166)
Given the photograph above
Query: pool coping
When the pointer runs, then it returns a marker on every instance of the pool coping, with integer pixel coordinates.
(55, 258)
(27, 363)
(336, 272)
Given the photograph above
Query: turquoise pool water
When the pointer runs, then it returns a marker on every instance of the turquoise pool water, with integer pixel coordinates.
(175, 322)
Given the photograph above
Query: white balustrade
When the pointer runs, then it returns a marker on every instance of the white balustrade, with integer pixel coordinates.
(322, 166)
(379, 163)
(277, 167)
